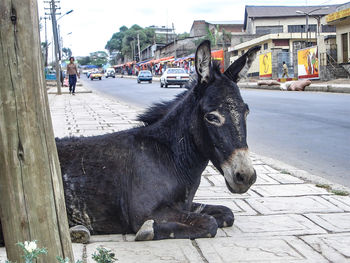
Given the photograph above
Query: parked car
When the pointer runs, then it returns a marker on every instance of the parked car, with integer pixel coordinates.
(110, 72)
(144, 75)
(174, 76)
(96, 75)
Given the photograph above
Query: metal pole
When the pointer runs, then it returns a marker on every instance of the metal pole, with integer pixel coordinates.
(175, 48)
(138, 45)
(46, 44)
(307, 30)
(55, 37)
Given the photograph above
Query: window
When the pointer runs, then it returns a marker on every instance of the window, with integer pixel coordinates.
(266, 46)
(263, 30)
(242, 52)
(235, 52)
(301, 28)
(328, 29)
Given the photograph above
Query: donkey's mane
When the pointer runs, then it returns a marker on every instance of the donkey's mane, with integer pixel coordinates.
(158, 110)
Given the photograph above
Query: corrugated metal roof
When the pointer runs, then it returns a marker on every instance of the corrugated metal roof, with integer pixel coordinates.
(232, 22)
(281, 11)
(252, 11)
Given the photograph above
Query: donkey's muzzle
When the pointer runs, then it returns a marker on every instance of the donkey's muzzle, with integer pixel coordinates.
(239, 172)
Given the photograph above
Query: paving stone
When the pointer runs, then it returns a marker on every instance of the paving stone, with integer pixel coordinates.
(261, 169)
(289, 190)
(263, 179)
(334, 247)
(179, 250)
(204, 182)
(78, 251)
(209, 171)
(336, 222)
(343, 202)
(272, 225)
(216, 192)
(217, 180)
(266, 249)
(238, 206)
(3, 256)
(106, 238)
(288, 205)
(285, 178)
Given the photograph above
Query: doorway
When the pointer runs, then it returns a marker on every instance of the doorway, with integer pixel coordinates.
(345, 47)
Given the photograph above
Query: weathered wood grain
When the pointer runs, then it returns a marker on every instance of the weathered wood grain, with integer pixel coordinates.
(31, 192)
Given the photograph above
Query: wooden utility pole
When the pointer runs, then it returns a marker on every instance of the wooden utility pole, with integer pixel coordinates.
(57, 47)
(32, 205)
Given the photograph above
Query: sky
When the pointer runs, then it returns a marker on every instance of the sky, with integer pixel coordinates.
(92, 23)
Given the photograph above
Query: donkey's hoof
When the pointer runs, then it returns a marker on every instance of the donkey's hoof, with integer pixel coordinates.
(79, 234)
(146, 232)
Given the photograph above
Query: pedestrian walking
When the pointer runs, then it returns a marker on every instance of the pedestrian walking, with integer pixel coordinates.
(285, 70)
(72, 72)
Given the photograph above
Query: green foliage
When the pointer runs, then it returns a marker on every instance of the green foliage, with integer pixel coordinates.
(31, 251)
(183, 35)
(84, 60)
(66, 260)
(125, 41)
(67, 52)
(104, 256)
(98, 58)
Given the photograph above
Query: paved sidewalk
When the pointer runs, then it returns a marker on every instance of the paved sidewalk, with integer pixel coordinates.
(282, 218)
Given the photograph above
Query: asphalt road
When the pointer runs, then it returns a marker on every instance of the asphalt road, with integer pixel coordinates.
(310, 131)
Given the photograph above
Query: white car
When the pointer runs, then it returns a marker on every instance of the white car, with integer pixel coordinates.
(174, 76)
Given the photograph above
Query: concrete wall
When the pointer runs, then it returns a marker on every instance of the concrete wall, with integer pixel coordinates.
(281, 21)
(199, 28)
(183, 48)
(342, 29)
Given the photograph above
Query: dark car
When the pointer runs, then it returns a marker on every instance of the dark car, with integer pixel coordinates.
(144, 75)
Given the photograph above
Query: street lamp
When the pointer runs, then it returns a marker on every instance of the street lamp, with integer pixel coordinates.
(307, 14)
(67, 13)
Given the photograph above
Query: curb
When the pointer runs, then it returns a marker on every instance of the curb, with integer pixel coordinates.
(334, 88)
(67, 92)
(304, 175)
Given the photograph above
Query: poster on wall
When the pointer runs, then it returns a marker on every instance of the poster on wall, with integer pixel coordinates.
(265, 65)
(308, 63)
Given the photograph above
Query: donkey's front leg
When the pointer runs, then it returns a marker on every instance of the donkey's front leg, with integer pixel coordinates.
(223, 215)
(180, 225)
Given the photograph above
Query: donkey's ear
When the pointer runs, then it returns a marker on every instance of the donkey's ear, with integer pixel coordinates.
(240, 67)
(203, 61)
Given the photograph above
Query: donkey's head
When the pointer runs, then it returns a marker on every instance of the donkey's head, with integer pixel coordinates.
(223, 113)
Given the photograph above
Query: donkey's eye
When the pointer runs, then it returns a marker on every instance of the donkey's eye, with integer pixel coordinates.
(214, 118)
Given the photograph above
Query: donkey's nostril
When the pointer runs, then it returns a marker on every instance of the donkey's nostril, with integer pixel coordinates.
(252, 178)
(239, 177)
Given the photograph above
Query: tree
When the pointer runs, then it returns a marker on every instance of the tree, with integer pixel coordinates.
(84, 60)
(125, 41)
(67, 53)
(98, 58)
(32, 205)
(183, 35)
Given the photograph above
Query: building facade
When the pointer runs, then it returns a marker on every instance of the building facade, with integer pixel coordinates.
(341, 20)
(281, 32)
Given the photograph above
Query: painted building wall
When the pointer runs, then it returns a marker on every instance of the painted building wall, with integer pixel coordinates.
(343, 29)
(281, 21)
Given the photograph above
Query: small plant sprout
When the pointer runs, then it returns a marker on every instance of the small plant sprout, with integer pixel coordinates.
(31, 250)
(104, 256)
(66, 260)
